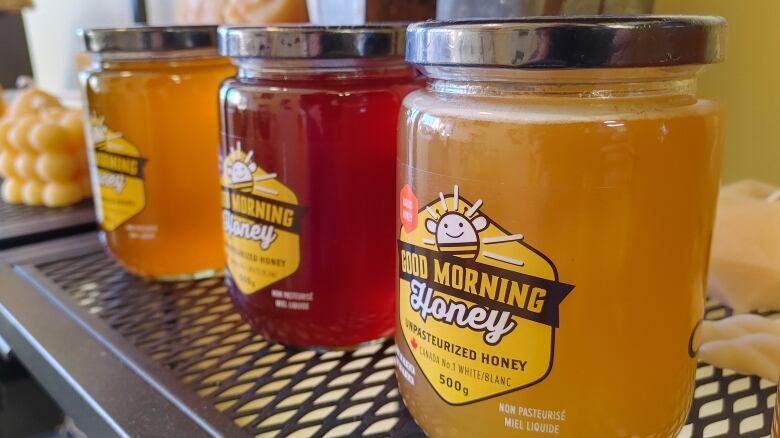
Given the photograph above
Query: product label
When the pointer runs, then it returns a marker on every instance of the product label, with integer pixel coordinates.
(120, 176)
(262, 223)
(478, 305)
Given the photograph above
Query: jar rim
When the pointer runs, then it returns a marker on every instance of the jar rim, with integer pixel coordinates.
(574, 42)
(305, 41)
(145, 39)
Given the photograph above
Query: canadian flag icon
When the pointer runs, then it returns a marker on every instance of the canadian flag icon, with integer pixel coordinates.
(408, 208)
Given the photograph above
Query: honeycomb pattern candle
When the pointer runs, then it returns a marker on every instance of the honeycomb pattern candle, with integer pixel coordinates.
(42, 155)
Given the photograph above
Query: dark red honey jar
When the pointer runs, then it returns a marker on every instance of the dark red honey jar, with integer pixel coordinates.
(308, 157)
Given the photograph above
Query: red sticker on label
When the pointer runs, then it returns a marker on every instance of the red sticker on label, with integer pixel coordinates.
(408, 209)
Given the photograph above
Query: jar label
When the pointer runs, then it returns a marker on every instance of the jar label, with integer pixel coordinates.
(262, 224)
(478, 305)
(119, 168)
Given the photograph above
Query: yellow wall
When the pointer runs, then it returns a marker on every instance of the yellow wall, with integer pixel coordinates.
(748, 83)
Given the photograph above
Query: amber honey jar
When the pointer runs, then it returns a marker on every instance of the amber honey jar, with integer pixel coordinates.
(557, 184)
(152, 124)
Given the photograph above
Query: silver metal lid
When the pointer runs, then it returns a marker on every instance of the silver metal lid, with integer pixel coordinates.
(314, 42)
(569, 42)
(149, 39)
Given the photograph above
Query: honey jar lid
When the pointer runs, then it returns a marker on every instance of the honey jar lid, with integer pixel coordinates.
(145, 39)
(373, 40)
(569, 42)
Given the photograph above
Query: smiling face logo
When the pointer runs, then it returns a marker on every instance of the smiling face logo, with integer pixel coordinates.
(98, 129)
(239, 172)
(456, 232)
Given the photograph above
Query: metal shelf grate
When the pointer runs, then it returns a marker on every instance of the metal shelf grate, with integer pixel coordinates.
(727, 404)
(191, 329)
(20, 224)
(17, 213)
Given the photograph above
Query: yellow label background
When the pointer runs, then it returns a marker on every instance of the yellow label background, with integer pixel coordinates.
(245, 257)
(530, 341)
(115, 208)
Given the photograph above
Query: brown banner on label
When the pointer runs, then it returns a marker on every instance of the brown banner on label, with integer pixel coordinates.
(552, 292)
(282, 215)
(119, 163)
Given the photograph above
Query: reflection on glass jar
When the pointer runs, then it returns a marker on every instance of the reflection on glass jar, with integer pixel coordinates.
(555, 225)
(308, 170)
(152, 123)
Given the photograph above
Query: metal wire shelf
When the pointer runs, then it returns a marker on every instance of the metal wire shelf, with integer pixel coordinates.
(194, 348)
(20, 224)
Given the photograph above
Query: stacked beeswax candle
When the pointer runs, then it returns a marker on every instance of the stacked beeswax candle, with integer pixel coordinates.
(42, 154)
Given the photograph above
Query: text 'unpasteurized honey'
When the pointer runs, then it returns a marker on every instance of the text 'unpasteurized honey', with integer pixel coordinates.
(153, 129)
(555, 206)
(308, 179)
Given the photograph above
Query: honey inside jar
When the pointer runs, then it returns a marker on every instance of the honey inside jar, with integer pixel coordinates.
(554, 230)
(153, 125)
(308, 153)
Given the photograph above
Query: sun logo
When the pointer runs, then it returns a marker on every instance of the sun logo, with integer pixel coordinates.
(100, 133)
(457, 226)
(456, 232)
(98, 129)
(240, 171)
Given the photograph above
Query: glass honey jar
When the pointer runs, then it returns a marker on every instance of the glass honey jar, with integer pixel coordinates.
(152, 124)
(557, 184)
(309, 137)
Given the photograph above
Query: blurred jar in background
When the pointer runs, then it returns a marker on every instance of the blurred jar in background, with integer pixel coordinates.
(51, 26)
(340, 12)
(456, 9)
(241, 11)
(200, 11)
(151, 103)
